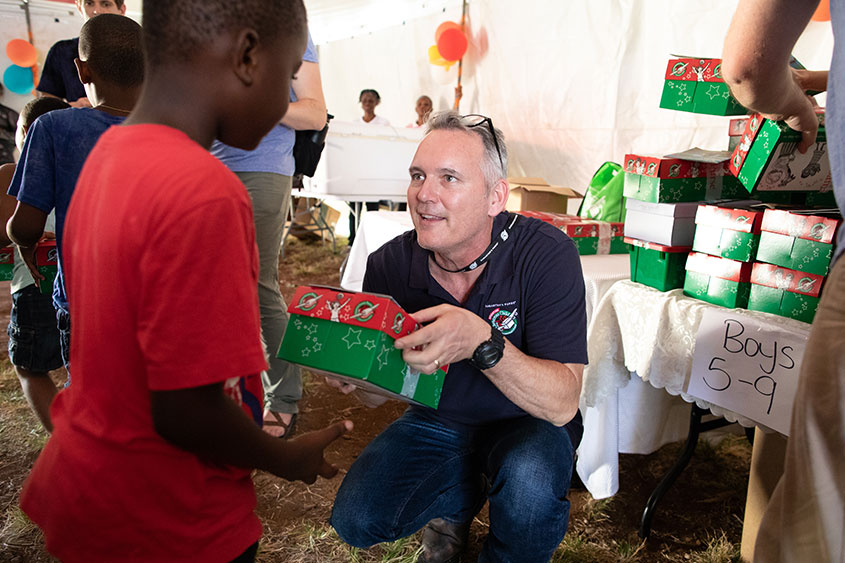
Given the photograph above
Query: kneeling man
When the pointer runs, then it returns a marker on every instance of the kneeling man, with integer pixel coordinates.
(502, 300)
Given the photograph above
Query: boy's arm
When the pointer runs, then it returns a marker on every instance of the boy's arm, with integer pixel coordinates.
(207, 423)
(7, 202)
(25, 228)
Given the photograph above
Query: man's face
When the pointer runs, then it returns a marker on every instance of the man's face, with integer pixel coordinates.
(447, 197)
(423, 106)
(91, 8)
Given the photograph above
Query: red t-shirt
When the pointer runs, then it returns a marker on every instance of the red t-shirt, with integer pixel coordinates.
(161, 275)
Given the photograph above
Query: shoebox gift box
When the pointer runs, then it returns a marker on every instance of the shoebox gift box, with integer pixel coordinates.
(535, 194)
(657, 265)
(350, 335)
(47, 262)
(798, 240)
(7, 262)
(728, 232)
(590, 236)
(767, 158)
(718, 280)
(692, 175)
(784, 292)
(696, 85)
(670, 224)
(735, 129)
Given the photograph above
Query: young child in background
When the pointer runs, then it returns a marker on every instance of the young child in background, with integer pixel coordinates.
(33, 336)
(154, 442)
(111, 65)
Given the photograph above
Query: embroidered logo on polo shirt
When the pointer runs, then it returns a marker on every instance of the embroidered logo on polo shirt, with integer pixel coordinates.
(503, 320)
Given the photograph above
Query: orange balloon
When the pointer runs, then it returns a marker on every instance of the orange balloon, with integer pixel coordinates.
(452, 44)
(21, 52)
(822, 12)
(443, 27)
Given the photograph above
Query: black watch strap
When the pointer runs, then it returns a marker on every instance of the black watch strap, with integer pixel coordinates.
(490, 351)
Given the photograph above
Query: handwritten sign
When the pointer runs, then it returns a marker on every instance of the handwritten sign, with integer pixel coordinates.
(747, 366)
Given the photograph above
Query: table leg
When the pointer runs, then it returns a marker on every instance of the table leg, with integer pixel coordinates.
(696, 427)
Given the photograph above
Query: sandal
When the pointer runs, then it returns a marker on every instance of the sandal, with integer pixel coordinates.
(274, 420)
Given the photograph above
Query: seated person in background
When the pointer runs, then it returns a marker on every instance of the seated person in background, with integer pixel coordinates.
(111, 65)
(59, 78)
(33, 336)
(369, 100)
(423, 108)
(502, 298)
(155, 441)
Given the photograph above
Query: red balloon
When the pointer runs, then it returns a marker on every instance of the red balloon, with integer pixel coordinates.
(452, 44)
(443, 27)
(21, 52)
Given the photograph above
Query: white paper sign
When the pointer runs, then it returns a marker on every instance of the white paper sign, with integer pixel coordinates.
(747, 366)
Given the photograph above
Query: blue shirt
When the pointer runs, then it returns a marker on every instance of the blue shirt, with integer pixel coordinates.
(275, 151)
(59, 76)
(56, 147)
(532, 289)
(835, 116)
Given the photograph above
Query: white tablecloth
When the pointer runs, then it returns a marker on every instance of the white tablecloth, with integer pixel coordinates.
(604, 436)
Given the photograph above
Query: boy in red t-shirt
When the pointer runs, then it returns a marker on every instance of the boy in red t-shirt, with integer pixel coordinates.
(153, 444)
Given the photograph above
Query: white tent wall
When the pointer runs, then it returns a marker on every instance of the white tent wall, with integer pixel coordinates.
(571, 84)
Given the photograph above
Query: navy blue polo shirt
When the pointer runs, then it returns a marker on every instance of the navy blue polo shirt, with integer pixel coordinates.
(59, 76)
(532, 289)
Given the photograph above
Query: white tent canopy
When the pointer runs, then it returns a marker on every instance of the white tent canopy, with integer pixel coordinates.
(571, 84)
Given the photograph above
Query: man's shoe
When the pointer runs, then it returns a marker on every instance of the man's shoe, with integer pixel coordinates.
(443, 542)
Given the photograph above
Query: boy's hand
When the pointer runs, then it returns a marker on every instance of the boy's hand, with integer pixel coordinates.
(28, 255)
(303, 458)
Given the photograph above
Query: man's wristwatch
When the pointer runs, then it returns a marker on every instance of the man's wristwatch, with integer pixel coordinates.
(490, 351)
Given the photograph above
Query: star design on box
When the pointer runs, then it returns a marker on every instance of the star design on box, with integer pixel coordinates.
(317, 346)
(382, 357)
(297, 323)
(353, 332)
(312, 328)
(370, 344)
(713, 92)
(305, 352)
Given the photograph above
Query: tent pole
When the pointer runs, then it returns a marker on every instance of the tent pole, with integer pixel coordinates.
(458, 88)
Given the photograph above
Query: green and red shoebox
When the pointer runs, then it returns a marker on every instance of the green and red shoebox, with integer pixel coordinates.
(798, 240)
(784, 292)
(718, 280)
(728, 232)
(696, 85)
(657, 265)
(736, 127)
(692, 175)
(7, 262)
(47, 262)
(350, 335)
(590, 236)
(767, 158)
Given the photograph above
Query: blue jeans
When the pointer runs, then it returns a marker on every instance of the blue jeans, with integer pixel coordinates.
(419, 469)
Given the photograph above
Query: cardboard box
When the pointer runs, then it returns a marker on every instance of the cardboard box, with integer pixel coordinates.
(47, 262)
(7, 263)
(657, 265)
(692, 175)
(670, 224)
(798, 240)
(767, 158)
(590, 236)
(696, 85)
(784, 292)
(718, 280)
(350, 335)
(535, 194)
(732, 233)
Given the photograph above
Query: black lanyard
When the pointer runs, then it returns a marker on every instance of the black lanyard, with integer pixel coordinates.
(503, 237)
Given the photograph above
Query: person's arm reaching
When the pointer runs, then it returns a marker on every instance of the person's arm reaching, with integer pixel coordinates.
(755, 62)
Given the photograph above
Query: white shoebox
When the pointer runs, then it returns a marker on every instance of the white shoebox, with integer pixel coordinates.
(671, 224)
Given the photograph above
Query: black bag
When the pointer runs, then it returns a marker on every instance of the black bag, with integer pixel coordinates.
(308, 148)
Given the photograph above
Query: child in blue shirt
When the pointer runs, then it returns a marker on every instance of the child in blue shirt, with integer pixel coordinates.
(111, 66)
(33, 336)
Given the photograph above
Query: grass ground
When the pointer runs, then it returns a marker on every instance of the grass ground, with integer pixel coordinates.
(699, 520)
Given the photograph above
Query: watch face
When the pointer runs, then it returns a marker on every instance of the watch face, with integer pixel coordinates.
(490, 351)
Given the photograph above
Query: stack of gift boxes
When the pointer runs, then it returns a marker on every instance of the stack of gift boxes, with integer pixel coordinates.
(46, 260)
(770, 256)
(589, 236)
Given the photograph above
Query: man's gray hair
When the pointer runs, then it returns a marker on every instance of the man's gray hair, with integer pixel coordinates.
(492, 167)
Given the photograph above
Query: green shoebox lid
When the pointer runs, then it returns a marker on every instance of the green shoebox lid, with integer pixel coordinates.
(695, 84)
(350, 335)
